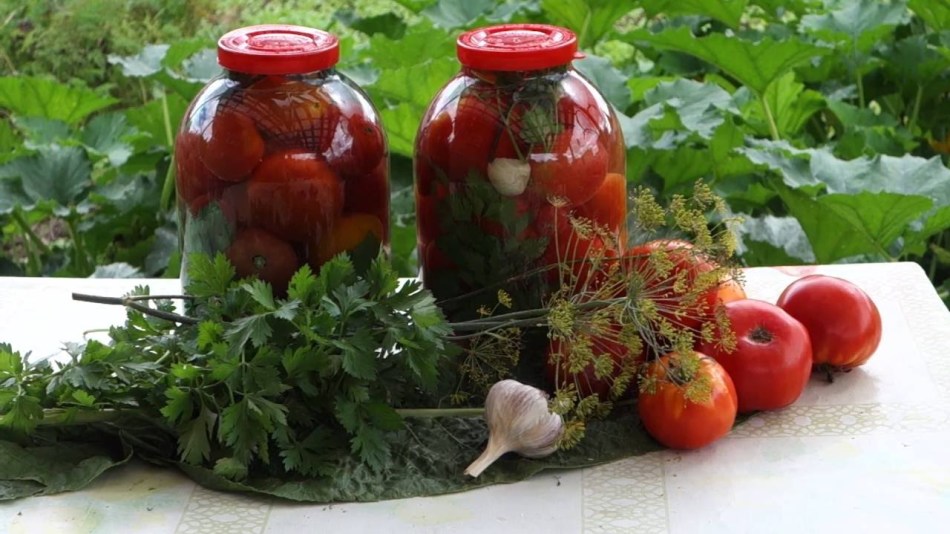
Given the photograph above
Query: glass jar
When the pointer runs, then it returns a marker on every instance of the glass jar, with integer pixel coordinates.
(281, 160)
(512, 150)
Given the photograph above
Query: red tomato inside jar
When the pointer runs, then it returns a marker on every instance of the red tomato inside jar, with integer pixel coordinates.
(512, 152)
(281, 161)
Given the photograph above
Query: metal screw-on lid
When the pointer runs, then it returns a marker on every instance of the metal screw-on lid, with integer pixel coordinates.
(517, 47)
(278, 49)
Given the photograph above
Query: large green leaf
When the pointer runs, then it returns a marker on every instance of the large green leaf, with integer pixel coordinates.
(754, 64)
(457, 13)
(429, 458)
(914, 61)
(416, 84)
(772, 240)
(726, 11)
(402, 123)
(791, 104)
(47, 99)
(145, 63)
(591, 19)
(841, 226)
(701, 107)
(150, 118)
(936, 13)
(57, 468)
(106, 134)
(861, 23)
(423, 42)
(832, 237)
(610, 81)
(54, 173)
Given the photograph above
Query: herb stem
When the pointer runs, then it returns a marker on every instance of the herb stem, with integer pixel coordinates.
(82, 261)
(59, 416)
(35, 246)
(916, 110)
(428, 413)
(860, 82)
(770, 118)
(128, 302)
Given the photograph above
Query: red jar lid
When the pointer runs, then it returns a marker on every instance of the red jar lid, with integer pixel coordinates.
(515, 47)
(278, 49)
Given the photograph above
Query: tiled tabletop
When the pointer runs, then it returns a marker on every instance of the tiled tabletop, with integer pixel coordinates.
(865, 454)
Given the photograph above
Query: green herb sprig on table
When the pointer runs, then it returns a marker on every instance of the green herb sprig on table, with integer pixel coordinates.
(248, 381)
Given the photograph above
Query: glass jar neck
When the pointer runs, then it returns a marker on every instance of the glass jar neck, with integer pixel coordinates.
(505, 77)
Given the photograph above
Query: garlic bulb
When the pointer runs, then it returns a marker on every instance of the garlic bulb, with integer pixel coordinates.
(518, 421)
(509, 176)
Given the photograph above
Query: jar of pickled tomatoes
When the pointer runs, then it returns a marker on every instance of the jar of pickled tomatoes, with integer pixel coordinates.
(519, 171)
(281, 160)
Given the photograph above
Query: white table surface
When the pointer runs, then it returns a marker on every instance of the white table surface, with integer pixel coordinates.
(868, 453)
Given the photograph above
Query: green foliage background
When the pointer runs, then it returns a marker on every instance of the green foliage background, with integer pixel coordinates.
(822, 122)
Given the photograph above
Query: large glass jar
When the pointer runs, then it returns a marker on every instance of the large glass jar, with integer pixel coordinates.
(281, 161)
(512, 150)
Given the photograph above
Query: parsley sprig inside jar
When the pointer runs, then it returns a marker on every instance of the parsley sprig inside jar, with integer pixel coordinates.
(513, 149)
(281, 160)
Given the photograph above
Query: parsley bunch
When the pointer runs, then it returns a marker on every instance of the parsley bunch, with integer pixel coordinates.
(246, 382)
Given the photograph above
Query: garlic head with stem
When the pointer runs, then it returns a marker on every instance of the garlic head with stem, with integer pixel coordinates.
(520, 421)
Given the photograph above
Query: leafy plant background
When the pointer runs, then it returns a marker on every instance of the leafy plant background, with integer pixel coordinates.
(822, 122)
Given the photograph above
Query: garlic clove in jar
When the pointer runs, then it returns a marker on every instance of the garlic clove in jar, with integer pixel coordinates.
(518, 421)
(509, 176)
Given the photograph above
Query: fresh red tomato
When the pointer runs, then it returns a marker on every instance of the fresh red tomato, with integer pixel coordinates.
(675, 420)
(573, 170)
(295, 195)
(843, 322)
(608, 206)
(359, 149)
(730, 290)
(195, 184)
(771, 363)
(557, 368)
(291, 113)
(258, 253)
(232, 146)
(345, 235)
(660, 289)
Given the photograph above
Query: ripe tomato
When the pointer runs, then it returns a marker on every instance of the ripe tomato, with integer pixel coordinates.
(432, 151)
(290, 113)
(345, 235)
(476, 128)
(730, 290)
(587, 255)
(359, 148)
(660, 289)
(608, 206)
(843, 322)
(557, 368)
(771, 363)
(678, 422)
(195, 184)
(295, 195)
(573, 170)
(232, 146)
(255, 252)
